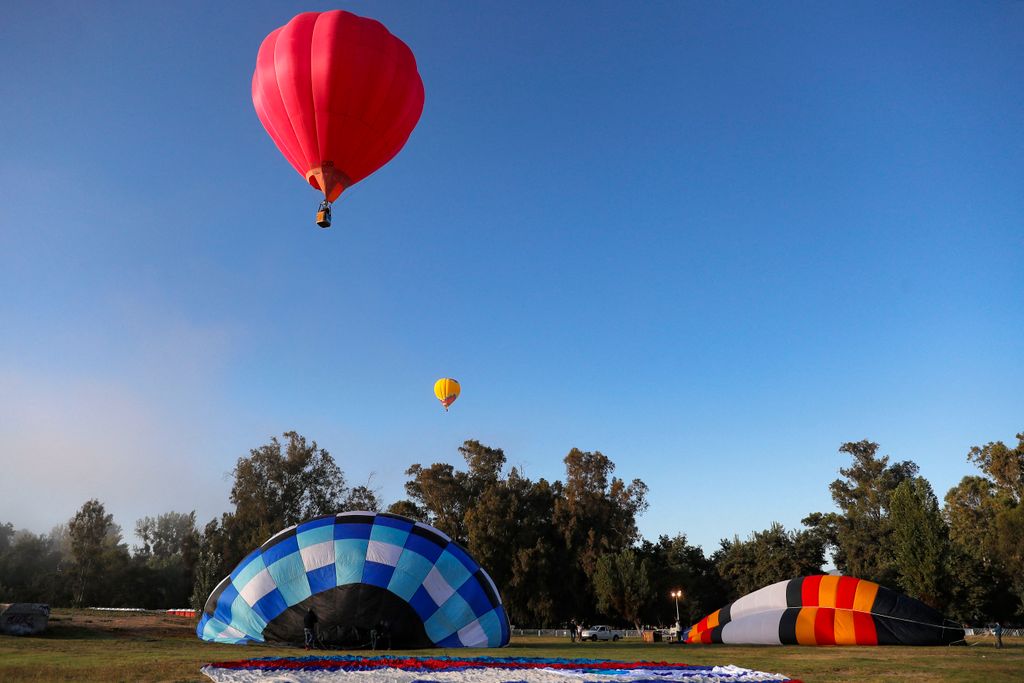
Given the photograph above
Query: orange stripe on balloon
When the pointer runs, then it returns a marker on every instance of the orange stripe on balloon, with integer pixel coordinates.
(827, 591)
(864, 600)
(713, 619)
(845, 627)
(805, 619)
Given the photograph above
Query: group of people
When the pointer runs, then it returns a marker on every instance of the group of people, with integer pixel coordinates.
(575, 631)
(380, 635)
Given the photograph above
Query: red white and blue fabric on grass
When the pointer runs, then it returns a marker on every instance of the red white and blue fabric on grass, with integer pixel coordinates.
(398, 669)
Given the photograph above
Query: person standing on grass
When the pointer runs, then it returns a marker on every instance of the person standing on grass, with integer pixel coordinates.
(998, 633)
(309, 627)
(572, 630)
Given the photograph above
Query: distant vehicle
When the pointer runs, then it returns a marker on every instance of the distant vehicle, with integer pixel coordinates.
(596, 633)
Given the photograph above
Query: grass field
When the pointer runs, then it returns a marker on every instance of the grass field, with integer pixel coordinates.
(82, 645)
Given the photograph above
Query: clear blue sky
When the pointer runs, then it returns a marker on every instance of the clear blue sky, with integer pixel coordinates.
(712, 240)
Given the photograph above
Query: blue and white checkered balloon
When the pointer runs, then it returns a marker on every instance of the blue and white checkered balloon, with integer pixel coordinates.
(360, 571)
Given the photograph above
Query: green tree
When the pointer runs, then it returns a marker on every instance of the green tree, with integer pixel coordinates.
(920, 542)
(677, 565)
(276, 487)
(212, 563)
(362, 497)
(409, 509)
(170, 545)
(1003, 465)
(510, 533)
(442, 495)
(986, 528)
(767, 557)
(596, 515)
(622, 582)
(99, 558)
(30, 567)
(863, 530)
(971, 508)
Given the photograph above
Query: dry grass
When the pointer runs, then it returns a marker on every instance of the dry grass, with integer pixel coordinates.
(81, 645)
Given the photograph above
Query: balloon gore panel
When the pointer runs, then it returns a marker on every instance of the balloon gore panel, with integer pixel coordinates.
(360, 572)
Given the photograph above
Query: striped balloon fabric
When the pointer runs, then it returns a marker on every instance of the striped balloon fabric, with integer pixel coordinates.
(370, 578)
(478, 669)
(825, 610)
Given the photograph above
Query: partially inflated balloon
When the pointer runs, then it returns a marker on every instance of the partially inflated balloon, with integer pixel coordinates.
(447, 390)
(338, 94)
(825, 610)
(358, 571)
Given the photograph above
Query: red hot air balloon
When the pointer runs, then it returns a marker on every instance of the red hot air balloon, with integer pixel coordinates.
(339, 95)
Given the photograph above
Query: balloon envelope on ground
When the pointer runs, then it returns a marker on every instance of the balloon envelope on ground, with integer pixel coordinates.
(359, 571)
(825, 610)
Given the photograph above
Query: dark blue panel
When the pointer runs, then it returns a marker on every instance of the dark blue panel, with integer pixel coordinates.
(315, 523)
(472, 593)
(485, 584)
(352, 531)
(270, 605)
(227, 597)
(430, 533)
(355, 518)
(462, 556)
(377, 574)
(286, 546)
(424, 547)
(322, 579)
(394, 522)
(451, 641)
(277, 538)
(423, 604)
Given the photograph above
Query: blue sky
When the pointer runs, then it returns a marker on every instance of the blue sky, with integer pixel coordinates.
(712, 240)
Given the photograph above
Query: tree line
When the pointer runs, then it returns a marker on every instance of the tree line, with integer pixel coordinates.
(564, 549)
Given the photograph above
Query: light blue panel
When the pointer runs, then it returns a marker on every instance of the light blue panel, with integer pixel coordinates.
(212, 629)
(290, 575)
(250, 570)
(286, 569)
(492, 627)
(389, 534)
(349, 557)
(453, 571)
(457, 611)
(438, 627)
(409, 574)
(246, 620)
(315, 535)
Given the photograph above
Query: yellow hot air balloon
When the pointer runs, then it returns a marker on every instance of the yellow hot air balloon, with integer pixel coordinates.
(447, 390)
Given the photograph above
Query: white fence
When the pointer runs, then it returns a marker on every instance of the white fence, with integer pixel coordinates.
(562, 632)
(988, 632)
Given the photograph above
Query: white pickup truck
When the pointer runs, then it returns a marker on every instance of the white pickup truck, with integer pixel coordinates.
(596, 633)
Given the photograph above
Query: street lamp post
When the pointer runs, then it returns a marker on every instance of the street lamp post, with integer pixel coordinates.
(677, 594)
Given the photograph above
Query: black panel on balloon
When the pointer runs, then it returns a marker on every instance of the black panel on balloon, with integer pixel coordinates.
(347, 616)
